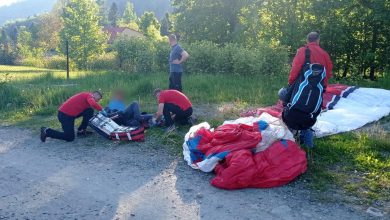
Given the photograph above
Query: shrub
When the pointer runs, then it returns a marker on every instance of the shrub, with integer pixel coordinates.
(7, 58)
(161, 55)
(135, 54)
(107, 61)
(203, 57)
(208, 57)
(56, 62)
(143, 55)
(32, 61)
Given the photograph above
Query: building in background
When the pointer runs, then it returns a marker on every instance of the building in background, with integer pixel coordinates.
(115, 32)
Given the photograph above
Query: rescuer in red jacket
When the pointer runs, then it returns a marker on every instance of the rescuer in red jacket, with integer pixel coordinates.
(79, 105)
(317, 55)
(174, 106)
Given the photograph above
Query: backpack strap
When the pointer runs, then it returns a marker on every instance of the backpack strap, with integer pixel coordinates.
(307, 55)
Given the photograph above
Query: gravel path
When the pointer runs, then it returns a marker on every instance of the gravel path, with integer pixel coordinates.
(97, 179)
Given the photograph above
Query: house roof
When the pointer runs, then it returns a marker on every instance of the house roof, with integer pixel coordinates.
(114, 31)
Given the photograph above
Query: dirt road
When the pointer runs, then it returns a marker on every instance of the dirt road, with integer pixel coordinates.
(96, 179)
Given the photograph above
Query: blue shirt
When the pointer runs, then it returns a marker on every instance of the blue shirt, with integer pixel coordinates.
(116, 104)
(175, 54)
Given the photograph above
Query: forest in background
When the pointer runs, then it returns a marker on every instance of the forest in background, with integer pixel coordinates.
(248, 36)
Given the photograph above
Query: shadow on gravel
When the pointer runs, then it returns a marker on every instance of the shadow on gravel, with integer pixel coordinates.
(89, 179)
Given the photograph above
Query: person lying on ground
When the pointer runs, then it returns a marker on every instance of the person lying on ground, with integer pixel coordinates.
(79, 105)
(174, 106)
(122, 115)
(176, 57)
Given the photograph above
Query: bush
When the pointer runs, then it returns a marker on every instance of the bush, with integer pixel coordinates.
(144, 55)
(7, 58)
(203, 57)
(161, 55)
(56, 62)
(107, 61)
(136, 55)
(32, 61)
(208, 57)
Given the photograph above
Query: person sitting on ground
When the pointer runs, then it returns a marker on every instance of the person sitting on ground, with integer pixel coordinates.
(79, 105)
(118, 112)
(173, 105)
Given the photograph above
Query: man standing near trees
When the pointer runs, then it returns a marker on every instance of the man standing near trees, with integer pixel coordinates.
(317, 55)
(311, 53)
(176, 58)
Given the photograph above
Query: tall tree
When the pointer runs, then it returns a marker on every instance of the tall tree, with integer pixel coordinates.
(213, 20)
(24, 47)
(102, 12)
(166, 25)
(113, 14)
(82, 31)
(49, 27)
(129, 14)
(149, 25)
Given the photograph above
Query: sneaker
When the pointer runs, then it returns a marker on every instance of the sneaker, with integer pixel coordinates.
(170, 129)
(84, 133)
(43, 134)
(307, 138)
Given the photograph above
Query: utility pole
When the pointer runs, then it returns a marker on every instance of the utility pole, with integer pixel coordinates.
(67, 60)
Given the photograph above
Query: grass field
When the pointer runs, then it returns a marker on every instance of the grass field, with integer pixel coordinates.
(357, 163)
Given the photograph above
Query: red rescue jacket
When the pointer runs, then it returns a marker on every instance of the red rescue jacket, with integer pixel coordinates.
(76, 104)
(317, 55)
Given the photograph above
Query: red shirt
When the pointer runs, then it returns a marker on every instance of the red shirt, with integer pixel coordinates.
(78, 103)
(175, 97)
(317, 55)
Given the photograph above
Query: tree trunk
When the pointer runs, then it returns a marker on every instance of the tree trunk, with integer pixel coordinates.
(373, 50)
(346, 65)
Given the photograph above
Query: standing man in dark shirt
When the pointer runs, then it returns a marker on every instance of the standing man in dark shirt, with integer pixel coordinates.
(176, 58)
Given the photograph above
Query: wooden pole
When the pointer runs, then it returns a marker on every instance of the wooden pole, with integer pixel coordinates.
(67, 60)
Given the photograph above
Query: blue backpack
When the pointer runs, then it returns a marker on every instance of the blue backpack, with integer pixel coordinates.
(304, 96)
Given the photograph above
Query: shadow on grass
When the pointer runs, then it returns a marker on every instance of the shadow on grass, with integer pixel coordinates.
(357, 162)
(28, 71)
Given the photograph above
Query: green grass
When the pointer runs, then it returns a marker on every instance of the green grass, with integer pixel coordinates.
(357, 163)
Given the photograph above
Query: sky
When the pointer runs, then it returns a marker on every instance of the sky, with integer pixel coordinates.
(8, 2)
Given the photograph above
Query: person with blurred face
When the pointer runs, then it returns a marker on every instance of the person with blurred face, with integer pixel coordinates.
(176, 59)
(117, 110)
(79, 105)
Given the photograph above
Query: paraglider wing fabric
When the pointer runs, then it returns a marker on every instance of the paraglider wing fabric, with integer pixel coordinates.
(258, 150)
(281, 163)
(239, 155)
(345, 108)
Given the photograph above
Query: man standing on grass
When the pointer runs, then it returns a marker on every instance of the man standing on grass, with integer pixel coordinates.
(79, 105)
(176, 58)
(319, 56)
(174, 106)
